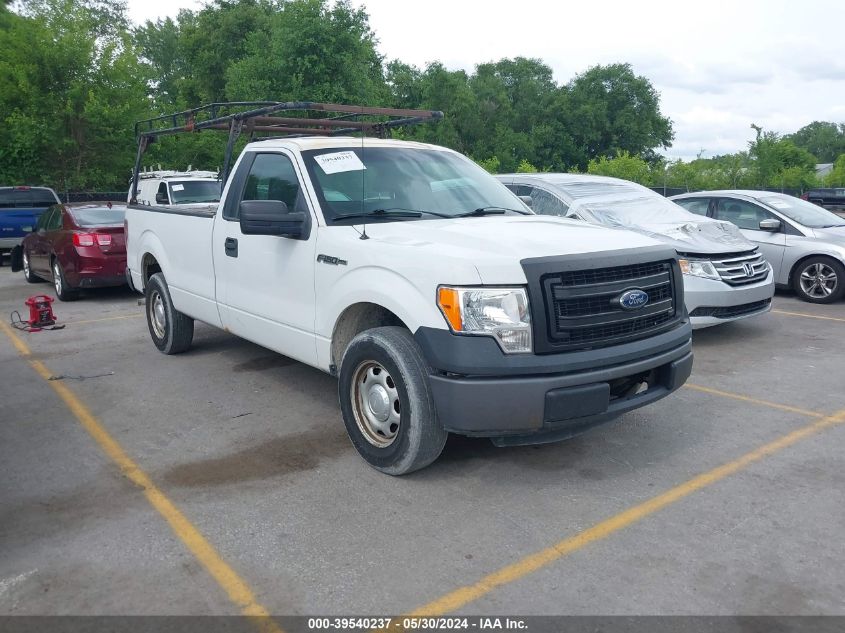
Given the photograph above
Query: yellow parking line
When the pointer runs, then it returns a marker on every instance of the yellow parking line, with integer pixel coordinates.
(111, 318)
(809, 316)
(764, 403)
(461, 597)
(234, 586)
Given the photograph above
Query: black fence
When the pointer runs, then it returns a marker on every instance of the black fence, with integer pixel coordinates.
(92, 196)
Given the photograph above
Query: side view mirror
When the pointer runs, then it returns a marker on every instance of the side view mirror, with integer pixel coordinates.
(161, 198)
(770, 224)
(272, 217)
(528, 200)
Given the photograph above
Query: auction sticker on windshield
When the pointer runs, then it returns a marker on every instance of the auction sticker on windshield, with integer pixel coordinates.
(339, 162)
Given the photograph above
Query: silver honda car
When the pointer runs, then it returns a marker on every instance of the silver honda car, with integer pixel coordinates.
(804, 243)
(725, 276)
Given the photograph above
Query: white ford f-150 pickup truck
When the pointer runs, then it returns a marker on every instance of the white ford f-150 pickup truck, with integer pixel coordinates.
(438, 299)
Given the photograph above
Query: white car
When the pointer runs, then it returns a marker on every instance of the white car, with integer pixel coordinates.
(725, 276)
(183, 189)
(437, 298)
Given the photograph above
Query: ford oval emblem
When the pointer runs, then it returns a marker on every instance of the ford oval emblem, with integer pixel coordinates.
(633, 299)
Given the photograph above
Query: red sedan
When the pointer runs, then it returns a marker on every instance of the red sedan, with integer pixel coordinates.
(77, 246)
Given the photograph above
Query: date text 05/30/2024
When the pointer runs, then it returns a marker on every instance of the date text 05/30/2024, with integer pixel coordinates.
(417, 623)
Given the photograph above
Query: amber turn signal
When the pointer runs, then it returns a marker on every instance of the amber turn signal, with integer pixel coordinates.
(448, 300)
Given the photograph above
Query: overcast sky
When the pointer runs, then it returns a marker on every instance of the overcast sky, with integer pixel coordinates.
(719, 66)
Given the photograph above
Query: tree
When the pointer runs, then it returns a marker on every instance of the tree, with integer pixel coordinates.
(609, 109)
(836, 178)
(70, 88)
(313, 50)
(776, 160)
(624, 166)
(823, 139)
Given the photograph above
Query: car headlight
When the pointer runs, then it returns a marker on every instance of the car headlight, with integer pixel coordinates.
(699, 268)
(502, 313)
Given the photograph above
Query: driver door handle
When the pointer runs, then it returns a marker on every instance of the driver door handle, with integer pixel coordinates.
(231, 245)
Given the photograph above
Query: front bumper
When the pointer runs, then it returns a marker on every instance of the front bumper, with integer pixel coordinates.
(555, 398)
(705, 297)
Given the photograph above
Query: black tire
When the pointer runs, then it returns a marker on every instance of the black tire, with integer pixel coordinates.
(419, 438)
(63, 291)
(171, 331)
(819, 279)
(30, 276)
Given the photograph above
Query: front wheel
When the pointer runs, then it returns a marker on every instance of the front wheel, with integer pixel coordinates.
(171, 331)
(819, 280)
(386, 401)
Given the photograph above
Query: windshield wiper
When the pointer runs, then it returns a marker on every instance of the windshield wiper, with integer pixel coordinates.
(380, 213)
(830, 226)
(481, 211)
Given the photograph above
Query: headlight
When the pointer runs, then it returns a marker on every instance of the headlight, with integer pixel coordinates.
(699, 268)
(502, 313)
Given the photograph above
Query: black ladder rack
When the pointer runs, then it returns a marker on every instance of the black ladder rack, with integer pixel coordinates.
(258, 116)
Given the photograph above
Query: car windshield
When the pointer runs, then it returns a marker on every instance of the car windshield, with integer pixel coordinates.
(188, 191)
(803, 212)
(98, 216)
(392, 181)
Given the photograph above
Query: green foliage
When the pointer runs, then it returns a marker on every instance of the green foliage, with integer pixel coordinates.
(71, 83)
(608, 110)
(778, 161)
(624, 166)
(490, 164)
(836, 178)
(823, 139)
(525, 167)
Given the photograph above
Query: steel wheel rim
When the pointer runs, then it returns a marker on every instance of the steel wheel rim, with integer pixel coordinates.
(157, 315)
(26, 264)
(818, 280)
(57, 278)
(376, 404)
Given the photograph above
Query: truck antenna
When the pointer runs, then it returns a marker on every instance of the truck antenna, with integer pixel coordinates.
(364, 235)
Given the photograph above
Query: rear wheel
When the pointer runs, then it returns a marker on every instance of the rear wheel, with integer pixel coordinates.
(63, 291)
(386, 401)
(819, 280)
(27, 270)
(171, 331)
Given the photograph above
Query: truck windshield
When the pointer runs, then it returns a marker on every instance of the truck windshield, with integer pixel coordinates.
(188, 191)
(803, 212)
(435, 183)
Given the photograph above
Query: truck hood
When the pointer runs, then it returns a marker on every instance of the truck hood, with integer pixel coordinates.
(495, 245)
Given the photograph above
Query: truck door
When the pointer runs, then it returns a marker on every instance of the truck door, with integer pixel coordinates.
(265, 283)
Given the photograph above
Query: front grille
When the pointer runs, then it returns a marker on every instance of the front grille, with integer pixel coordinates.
(733, 269)
(583, 308)
(731, 312)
